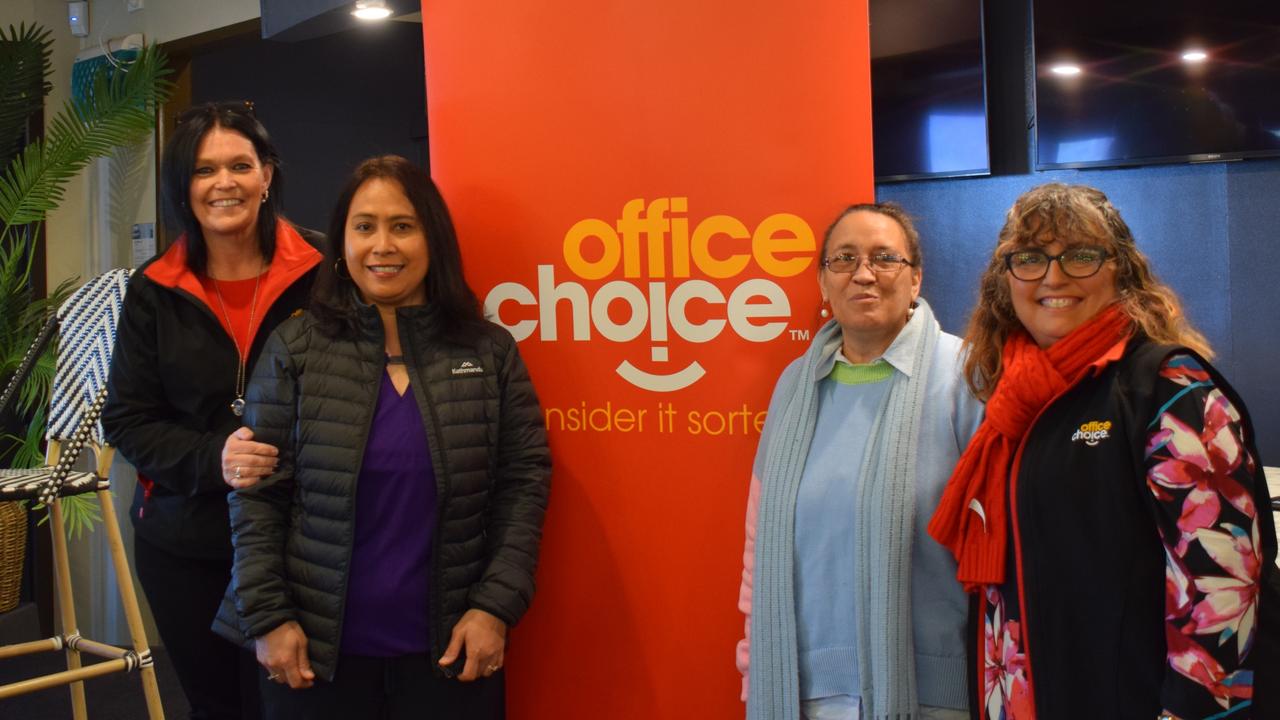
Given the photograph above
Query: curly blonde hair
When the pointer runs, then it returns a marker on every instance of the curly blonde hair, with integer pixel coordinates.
(1056, 211)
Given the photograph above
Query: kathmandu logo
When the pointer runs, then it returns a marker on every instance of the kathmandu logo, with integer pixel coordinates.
(1093, 432)
(467, 368)
(666, 276)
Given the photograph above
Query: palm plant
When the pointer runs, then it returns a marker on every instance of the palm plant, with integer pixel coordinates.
(118, 110)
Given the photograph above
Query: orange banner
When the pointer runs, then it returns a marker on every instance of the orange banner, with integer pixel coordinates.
(640, 189)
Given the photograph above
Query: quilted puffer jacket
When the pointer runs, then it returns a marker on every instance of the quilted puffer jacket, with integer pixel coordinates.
(313, 397)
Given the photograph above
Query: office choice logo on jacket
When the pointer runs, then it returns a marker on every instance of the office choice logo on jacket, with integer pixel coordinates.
(1093, 432)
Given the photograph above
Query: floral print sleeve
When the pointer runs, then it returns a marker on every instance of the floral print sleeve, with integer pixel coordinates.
(1201, 477)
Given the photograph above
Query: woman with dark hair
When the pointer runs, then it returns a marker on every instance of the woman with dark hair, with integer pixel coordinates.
(1111, 510)
(852, 611)
(378, 568)
(194, 320)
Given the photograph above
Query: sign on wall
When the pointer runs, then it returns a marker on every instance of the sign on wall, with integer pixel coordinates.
(640, 189)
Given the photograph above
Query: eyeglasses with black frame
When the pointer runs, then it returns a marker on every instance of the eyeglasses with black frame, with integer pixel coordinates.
(1075, 262)
(879, 263)
(239, 107)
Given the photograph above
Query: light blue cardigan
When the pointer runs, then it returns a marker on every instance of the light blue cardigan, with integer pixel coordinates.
(939, 605)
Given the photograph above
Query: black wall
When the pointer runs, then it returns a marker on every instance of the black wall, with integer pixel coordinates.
(328, 104)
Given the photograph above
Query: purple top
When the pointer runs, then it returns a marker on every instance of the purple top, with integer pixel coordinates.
(387, 590)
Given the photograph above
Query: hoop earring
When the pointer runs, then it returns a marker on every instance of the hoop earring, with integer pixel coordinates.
(337, 269)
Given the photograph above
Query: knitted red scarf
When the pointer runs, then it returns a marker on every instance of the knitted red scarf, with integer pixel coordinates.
(1032, 377)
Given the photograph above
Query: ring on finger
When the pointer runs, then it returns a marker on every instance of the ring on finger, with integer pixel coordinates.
(236, 475)
(274, 676)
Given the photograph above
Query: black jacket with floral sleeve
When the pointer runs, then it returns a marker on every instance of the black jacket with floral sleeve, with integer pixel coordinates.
(1143, 543)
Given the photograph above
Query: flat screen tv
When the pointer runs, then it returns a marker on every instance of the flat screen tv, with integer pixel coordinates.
(928, 98)
(1152, 81)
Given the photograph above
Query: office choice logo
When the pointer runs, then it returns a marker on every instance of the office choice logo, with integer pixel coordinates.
(1093, 432)
(664, 265)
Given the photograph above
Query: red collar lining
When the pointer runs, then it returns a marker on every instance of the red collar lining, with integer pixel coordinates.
(294, 256)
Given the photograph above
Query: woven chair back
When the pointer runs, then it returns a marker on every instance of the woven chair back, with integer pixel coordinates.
(85, 341)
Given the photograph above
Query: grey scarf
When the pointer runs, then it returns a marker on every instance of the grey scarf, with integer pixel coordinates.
(884, 528)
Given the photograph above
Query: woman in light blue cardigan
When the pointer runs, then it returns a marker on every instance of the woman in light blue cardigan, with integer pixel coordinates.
(852, 611)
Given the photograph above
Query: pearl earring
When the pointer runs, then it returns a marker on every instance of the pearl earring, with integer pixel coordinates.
(824, 312)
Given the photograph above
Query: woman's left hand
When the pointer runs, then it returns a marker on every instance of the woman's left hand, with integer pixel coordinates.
(484, 638)
(245, 462)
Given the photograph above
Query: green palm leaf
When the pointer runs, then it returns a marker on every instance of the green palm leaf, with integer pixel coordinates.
(27, 452)
(25, 63)
(120, 110)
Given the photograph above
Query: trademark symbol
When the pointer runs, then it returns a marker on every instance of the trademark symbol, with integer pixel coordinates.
(800, 335)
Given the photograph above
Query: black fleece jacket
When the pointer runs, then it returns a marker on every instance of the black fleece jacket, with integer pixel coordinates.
(173, 376)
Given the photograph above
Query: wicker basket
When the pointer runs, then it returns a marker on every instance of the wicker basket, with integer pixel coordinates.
(13, 548)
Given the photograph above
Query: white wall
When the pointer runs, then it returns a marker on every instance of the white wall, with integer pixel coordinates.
(13, 12)
(165, 20)
(65, 249)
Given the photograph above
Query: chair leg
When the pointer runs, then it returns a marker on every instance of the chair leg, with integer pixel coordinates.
(66, 604)
(129, 598)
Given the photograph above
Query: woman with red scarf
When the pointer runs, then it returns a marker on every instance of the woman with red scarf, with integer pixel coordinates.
(1110, 511)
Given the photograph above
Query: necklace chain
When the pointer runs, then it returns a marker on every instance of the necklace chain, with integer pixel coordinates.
(242, 355)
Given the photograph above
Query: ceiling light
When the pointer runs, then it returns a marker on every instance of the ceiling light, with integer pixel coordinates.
(372, 10)
(1195, 56)
(1065, 69)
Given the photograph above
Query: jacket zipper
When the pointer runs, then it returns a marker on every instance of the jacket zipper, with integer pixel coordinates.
(147, 485)
(350, 540)
(1017, 546)
(434, 610)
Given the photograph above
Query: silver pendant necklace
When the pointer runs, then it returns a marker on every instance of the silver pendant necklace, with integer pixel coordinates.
(237, 405)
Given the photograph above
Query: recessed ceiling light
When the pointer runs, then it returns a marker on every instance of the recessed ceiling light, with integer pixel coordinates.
(1065, 69)
(372, 10)
(1195, 56)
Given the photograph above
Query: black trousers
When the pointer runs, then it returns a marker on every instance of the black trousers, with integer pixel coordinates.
(218, 678)
(402, 688)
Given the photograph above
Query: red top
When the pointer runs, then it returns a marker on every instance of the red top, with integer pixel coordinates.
(293, 258)
(241, 310)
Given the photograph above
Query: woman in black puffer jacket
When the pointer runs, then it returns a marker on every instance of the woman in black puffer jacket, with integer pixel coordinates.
(378, 568)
